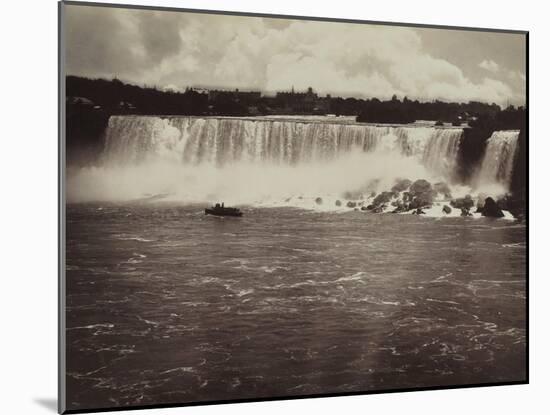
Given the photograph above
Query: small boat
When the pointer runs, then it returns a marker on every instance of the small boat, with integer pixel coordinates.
(221, 210)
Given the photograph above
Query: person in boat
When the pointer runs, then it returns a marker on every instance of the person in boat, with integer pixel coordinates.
(221, 210)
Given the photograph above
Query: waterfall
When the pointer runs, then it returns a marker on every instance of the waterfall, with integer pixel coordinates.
(498, 162)
(257, 160)
(220, 141)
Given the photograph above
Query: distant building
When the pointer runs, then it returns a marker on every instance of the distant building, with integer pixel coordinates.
(303, 102)
(284, 102)
(245, 97)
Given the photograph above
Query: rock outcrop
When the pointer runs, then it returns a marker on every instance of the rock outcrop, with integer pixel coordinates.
(401, 185)
(420, 195)
(491, 209)
(465, 202)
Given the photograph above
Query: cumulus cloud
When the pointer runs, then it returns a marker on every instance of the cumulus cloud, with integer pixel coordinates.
(180, 49)
(489, 65)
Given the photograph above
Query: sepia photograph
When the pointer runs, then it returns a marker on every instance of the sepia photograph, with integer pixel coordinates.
(263, 207)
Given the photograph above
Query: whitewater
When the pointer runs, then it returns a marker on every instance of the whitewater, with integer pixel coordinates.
(280, 161)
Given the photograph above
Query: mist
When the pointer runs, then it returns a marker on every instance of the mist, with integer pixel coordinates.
(243, 182)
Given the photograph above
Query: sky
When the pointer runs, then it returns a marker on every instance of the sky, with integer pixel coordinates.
(174, 50)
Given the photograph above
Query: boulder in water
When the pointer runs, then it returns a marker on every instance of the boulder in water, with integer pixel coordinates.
(338, 203)
(418, 211)
(319, 201)
(465, 202)
(480, 202)
(351, 204)
(465, 212)
(401, 185)
(491, 209)
(400, 206)
(447, 209)
(420, 186)
(420, 194)
(382, 198)
(380, 202)
(365, 207)
(443, 189)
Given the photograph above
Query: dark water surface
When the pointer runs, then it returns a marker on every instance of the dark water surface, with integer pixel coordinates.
(166, 305)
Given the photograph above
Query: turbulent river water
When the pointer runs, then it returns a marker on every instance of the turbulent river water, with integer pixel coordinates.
(167, 305)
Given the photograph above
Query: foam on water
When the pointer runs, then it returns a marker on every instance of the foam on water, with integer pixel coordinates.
(253, 159)
(279, 161)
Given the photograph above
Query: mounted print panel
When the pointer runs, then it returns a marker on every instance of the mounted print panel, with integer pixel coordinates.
(268, 207)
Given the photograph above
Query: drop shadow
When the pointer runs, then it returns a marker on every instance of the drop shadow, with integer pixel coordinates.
(48, 403)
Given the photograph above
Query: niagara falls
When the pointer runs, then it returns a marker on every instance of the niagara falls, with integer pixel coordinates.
(258, 208)
(287, 161)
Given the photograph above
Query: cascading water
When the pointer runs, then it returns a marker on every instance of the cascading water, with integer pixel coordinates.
(498, 162)
(220, 141)
(256, 160)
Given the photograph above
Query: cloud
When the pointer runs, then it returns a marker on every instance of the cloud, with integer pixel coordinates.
(180, 49)
(489, 65)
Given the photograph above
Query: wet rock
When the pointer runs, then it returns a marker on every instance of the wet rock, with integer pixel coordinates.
(351, 204)
(401, 185)
(365, 207)
(418, 211)
(465, 212)
(338, 203)
(443, 189)
(480, 202)
(400, 206)
(420, 194)
(382, 198)
(420, 186)
(447, 209)
(319, 201)
(491, 209)
(465, 202)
